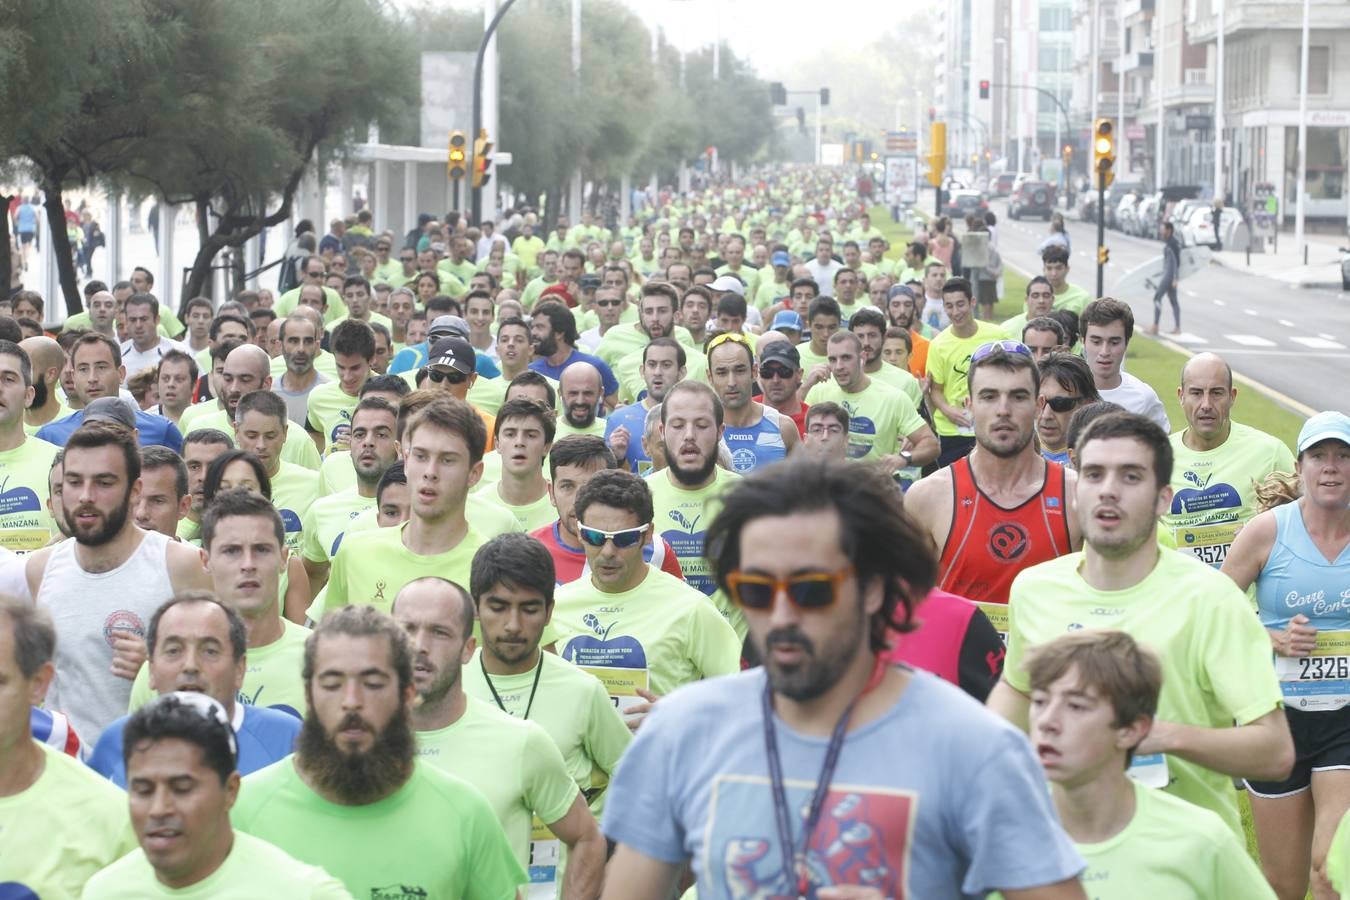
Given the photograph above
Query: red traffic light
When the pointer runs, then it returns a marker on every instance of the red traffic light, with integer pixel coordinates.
(984, 88)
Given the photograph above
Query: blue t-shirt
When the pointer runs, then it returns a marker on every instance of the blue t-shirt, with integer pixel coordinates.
(758, 445)
(415, 355)
(154, 430)
(938, 798)
(634, 418)
(25, 218)
(264, 735)
(1297, 578)
(541, 365)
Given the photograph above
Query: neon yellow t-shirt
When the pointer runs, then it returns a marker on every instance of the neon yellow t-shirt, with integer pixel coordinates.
(336, 473)
(565, 428)
(327, 520)
(63, 828)
(1338, 859)
(626, 338)
(374, 569)
(879, 416)
(25, 524)
(948, 362)
(330, 414)
(1215, 654)
(809, 358)
(531, 515)
(572, 706)
(1171, 848)
(632, 387)
(1215, 490)
(253, 869)
(337, 307)
(514, 763)
(1073, 298)
(294, 490)
(271, 675)
(658, 636)
(901, 380)
(682, 515)
(61, 412)
(435, 835)
(298, 449)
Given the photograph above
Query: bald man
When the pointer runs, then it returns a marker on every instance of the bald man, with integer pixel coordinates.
(48, 362)
(1218, 464)
(581, 391)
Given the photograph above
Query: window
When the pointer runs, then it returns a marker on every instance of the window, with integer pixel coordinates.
(1319, 70)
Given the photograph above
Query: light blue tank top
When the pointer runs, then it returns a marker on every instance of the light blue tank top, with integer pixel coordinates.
(758, 445)
(1298, 579)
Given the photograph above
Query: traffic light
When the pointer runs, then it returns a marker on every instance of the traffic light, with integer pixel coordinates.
(937, 152)
(778, 94)
(457, 164)
(1103, 256)
(482, 159)
(824, 96)
(984, 88)
(1103, 151)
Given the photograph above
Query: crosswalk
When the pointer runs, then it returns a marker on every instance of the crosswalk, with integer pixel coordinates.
(1269, 343)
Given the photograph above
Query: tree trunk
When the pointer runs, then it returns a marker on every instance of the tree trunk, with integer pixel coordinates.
(6, 257)
(65, 261)
(203, 219)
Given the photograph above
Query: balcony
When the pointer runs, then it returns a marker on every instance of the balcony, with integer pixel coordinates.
(1130, 8)
(1266, 15)
(1139, 61)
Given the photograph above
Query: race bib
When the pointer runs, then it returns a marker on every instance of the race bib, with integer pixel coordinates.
(1207, 543)
(1150, 770)
(545, 853)
(621, 684)
(24, 540)
(998, 617)
(1319, 681)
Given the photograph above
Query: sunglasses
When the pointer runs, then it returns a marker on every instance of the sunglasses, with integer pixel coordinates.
(622, 539)
(1063, 404)
(728, 336)
(806, 590)
(995, 346)
(609, 303)
(408, 259)
(775, 372)
(437, 376)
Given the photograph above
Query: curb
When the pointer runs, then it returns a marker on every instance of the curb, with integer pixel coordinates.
(1331, 284)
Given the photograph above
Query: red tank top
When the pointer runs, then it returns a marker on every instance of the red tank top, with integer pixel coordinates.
(988, 545)
(935, 645)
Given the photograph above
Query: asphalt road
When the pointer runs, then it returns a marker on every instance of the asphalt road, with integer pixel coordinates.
(1294, 341)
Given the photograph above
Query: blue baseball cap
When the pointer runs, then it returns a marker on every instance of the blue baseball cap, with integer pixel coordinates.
(787, 319)
(1324, 426)
(781, 258)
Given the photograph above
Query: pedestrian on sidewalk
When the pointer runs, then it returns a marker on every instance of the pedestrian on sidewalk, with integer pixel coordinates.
(1168, 285)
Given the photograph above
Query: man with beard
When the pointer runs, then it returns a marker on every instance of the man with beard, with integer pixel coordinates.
(870, 327)
(579, 391)
(374, 448)
(808, 550)
(102, 586)
(663, 365)
(299, 346)
(25, 462)
(900, 311)
(197, 645)
(48, 361)
(1004, 507)
(656, 319)
(686, 493)
(200, 448)
(97, 364)
(1220, 713)
(755, 434)
(512, 761)
(353, 798)
(640, 631)
(553, 331)
(247, 369)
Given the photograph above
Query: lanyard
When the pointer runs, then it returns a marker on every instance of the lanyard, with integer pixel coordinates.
(538, 670)
(794, 860)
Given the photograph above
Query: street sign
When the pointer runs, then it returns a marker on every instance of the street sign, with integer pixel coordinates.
(902, 142)
(902, 180)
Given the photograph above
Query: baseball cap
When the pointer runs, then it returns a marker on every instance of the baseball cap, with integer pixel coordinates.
(728, 283)
(560, 292)
(453, 353)
(590, 282)
(445, 326)
(1329, 425)
(898, 290)
(787, 318)
(782, 352)
(781, 259)
(111, 409)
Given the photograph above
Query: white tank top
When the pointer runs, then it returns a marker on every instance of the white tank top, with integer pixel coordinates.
(87, 609)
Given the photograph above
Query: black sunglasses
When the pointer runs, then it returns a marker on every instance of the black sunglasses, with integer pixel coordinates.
(437, 376)
(775, 372)
(1063, 404)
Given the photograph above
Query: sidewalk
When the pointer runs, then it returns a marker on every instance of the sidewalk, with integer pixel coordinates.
(1323, 269)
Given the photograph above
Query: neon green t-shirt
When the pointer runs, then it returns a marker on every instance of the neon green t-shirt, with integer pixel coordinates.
(336, 473)
(572, 706)
(1073, 298)
(532, 515)
(565, 428)
(294, 490)
(1012, 328)
(514, 763)
(623, 339)
(879, 416)
(1215, 654)
(900, 379)
(1338, 859)
(337, 307)
(25, 524)
(658, 636)
(327, 520)
(298, 449)
(1171, 848)
(810, 359)
(681, 515)
(1215, 490)
(375, 568)
(462, 271)
(61, 829)
(632, 387)
(948, 362)
(330, 414)
(253, 869)
(271, 675)
(435, 835)
(61, 412)
(325, 364)
(528, 249)
(748, 275)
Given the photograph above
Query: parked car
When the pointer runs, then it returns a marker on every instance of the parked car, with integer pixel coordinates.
(1198, 228)
(1125, 212)
(962, 203)
(1003, 184)
(1345, 268)
(1114, 193)
(1146, 217)
(1032, 198)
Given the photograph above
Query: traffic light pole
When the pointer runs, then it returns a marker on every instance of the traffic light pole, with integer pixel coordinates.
(1101, 231)
(477, 193)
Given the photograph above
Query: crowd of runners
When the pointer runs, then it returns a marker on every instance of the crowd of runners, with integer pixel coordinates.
(729, 551)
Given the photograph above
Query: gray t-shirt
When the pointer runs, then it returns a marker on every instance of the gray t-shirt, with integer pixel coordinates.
(297, 402)
(937, 799)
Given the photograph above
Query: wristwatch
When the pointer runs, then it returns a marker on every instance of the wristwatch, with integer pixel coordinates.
(907, 457)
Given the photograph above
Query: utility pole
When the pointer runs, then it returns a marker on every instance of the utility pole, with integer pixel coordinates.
(1159, 73)
(1218, 110)
(1302, 135)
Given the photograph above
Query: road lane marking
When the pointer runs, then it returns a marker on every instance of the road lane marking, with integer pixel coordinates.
(1219, 303)
(1251, 312)
(1187, 338)
(1318, 343)
(1250, 340)
(1286, 323)
(1325, 336)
